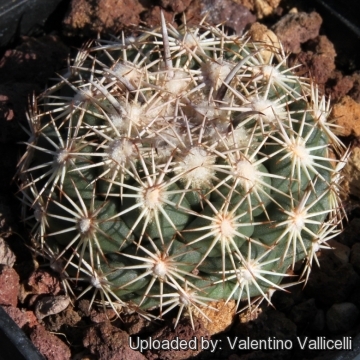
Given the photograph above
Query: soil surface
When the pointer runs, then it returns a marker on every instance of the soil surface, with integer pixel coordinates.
(31, 291)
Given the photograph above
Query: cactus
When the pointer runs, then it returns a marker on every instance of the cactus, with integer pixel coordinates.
(179, 167)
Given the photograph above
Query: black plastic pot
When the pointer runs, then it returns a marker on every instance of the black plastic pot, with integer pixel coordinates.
(14, 344)
(349, 355)
(19, 17)
(341, 23)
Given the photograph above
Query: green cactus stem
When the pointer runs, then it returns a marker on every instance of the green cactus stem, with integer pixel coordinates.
(181, 166)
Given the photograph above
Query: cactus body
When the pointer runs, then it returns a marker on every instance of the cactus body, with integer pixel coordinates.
(181, 166)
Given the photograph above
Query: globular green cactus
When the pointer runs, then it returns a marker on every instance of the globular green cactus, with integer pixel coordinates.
(181, 166)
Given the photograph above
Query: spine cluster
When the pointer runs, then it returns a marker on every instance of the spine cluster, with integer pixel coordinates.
(179, 167)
